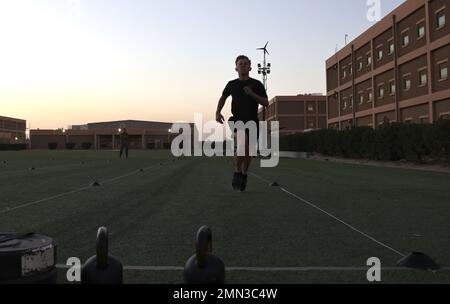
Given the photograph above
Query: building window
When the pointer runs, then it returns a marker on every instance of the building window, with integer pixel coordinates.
(405, 39)
(381, 92)
(351, 102)
(345, 104)
(443, 71)
(424, 119)
(369, 60)
(370, 95)
(408, 120)
(344, 75)
(361, 99)
(392, 85)
(440, 20)
(407, 84)
(422, 78)
(350, 70)
(360, 65)
(310, 109)
(380, 54)
(421, 31)
(391, 47)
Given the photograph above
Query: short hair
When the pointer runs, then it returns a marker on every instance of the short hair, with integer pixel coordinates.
(243, 57)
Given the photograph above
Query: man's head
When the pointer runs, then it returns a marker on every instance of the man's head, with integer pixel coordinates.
(124, 130)
(243, 65)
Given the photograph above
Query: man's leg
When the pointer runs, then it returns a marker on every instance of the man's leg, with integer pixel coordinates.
(238, 161)
(246, 165)
(126, 151)
(239, 164)
(121, 151)
(248, 157)
(246, 160)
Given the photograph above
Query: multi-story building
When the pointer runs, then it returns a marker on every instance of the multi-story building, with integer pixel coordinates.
(12, 130)
(297, 113)
(395, 71)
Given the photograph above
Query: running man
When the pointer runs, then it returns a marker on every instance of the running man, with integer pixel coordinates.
(248, 94)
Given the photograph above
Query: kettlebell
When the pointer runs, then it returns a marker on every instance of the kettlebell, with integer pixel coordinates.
(102, 268)
(204, 267)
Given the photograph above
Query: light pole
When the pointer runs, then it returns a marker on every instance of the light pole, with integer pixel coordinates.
(264, 69)
(29, 136)
(67, 136)
(168, 136)
(16, 138)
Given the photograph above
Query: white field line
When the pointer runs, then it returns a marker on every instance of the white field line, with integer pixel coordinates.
(2, 173)
(267, 269)
(7, 210)
(333, 217)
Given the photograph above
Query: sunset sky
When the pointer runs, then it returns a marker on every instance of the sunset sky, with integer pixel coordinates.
(65, 62)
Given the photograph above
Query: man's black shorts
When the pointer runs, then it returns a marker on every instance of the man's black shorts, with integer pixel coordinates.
(235, 120)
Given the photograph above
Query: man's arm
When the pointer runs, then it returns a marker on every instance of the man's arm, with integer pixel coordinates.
(264, 101)
(219, 117)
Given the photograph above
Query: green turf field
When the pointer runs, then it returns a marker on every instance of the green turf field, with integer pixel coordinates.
(265, 235)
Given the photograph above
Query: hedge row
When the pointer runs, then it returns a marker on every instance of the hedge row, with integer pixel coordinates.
(394, 141)
(70, 146)
(13, 147)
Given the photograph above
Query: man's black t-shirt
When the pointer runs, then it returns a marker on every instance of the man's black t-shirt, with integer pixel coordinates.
(243, 106)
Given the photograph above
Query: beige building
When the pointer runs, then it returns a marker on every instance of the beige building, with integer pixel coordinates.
(106, 136)
(12, 130)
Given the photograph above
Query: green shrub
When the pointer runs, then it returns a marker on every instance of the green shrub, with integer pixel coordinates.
(70, 146)
(52, 145)
(390, 141)
(86, 145)
(440, 143)
(387, 144)
(13, 147)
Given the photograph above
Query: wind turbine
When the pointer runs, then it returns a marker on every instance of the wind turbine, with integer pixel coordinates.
(264, 70)
(264, 49)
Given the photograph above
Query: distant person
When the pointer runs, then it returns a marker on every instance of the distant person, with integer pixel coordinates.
(124, 143)
(248, 94)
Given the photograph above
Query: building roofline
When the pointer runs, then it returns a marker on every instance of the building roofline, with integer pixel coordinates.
(12, 118)
(129, 121)
(400, 12)
(298, 97)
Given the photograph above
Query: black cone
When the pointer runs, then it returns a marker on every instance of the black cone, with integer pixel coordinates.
(418, 260)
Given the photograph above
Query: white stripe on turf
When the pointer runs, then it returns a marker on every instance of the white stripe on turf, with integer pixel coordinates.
(333, 216)
(41, 168)
(6, 210)
(266, 269)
